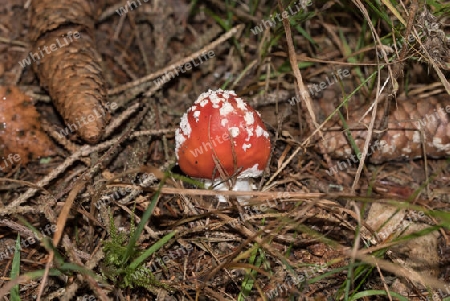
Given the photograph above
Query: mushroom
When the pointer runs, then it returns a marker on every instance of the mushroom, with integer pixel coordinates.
(221, 136)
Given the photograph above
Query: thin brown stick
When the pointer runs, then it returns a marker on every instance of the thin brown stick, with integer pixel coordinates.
(46, 180)
(298, 76)
(120, 119)
(204, 192)
(234, 31)
(62, 218)
(401, 271)
(82, 152)
(386, 288)
(374, 109)
(111, 10)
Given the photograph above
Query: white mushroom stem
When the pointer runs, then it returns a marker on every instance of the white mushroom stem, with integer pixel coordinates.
(242, 184)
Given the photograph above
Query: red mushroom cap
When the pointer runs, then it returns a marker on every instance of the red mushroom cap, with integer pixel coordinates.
(207, 130)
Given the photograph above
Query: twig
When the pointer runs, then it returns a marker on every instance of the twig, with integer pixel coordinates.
(235, 30)
(425, 165)
(374, 110)
(149, 230)
(298, 76)
(78, 186)
(61, 139)
(401, 271)
(118, 120)
(153, 132)
(60, 224)
(274, 194)
(111, 10)
(386, 288)
(82, 152)
(14, 42)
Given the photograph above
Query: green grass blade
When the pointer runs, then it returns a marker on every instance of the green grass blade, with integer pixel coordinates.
(145, 218)
(249, 279)
(330, 273)
(348, 97)
(72, 267)
(15, 270)
(418, 234)
(41, 273)
(382, 14)
(155, 247)
(369, 293)
(222, 23)
(349, 136)
(306, 35)
(394, 11)
(188, 180)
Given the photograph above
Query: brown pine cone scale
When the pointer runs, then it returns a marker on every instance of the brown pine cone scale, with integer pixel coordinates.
(68, 64)
(411, 121)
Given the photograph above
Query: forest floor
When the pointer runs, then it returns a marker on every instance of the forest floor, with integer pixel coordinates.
(118, 219)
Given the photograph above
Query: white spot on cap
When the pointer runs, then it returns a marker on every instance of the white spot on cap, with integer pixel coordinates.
(181, 133)
(224, 122)
(179, 140)
(213, 96)
(249, 134)
(203, 102)
(251, 172)
(261, 132)
(196, 115)
(245, 146)
(226, 109)
(215, 100)
(225, 94)
(249, 119)
(241, 104)
(234, 131)
(203, 99)
(185, 126)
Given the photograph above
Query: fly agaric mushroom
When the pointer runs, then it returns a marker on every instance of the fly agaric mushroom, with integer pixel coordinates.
(221, 132)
